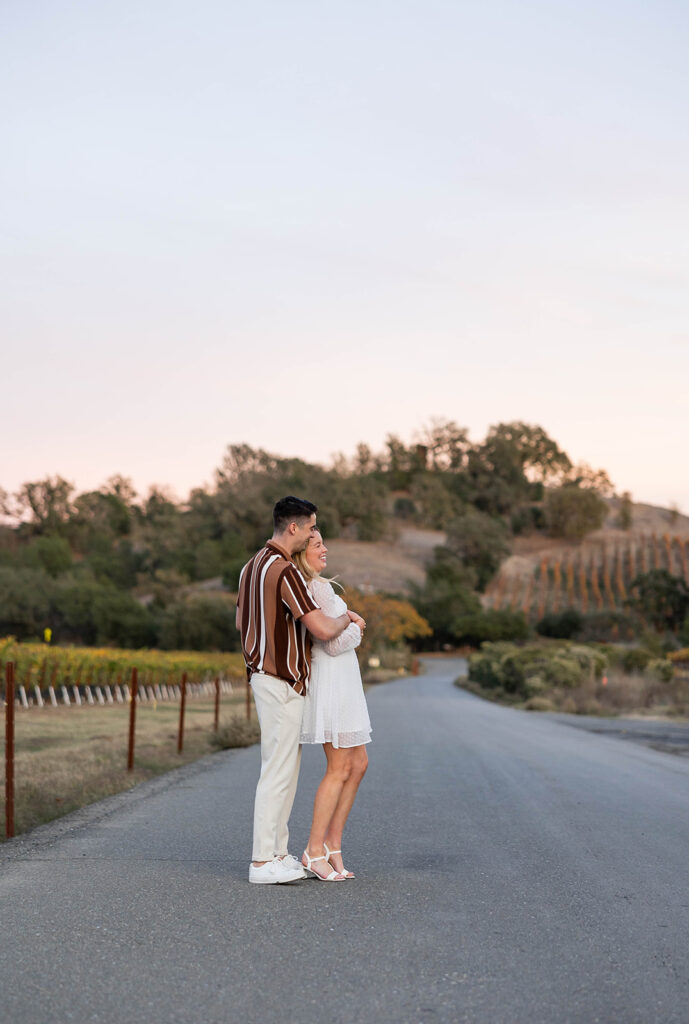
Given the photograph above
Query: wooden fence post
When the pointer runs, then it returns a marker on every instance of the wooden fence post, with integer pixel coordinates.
(216, 717)
(133, 691)
(180, 735)
(9, 750)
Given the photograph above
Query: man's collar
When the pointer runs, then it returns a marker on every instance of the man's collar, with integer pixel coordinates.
(279, 548)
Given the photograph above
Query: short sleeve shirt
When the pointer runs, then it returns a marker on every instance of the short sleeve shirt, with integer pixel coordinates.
(273, 597)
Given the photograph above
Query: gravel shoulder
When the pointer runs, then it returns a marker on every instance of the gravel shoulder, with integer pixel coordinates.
(667, 735)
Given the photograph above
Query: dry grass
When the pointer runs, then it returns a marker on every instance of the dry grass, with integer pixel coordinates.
(66, 758)
(625, 695)
(239, 732)
(621, 695)
(386, 565)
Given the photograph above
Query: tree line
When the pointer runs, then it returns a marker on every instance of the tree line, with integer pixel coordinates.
(109, 566)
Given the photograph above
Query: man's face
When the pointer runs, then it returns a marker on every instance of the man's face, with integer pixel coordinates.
(303, 533)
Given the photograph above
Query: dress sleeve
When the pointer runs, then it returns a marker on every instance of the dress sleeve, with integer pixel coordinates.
(333, 606)
(295, 594)
(346, 641)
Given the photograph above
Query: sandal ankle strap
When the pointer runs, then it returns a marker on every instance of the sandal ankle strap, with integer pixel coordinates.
(312, 860)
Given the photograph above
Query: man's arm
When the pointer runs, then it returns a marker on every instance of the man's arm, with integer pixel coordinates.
(357, 619)
(323, 627)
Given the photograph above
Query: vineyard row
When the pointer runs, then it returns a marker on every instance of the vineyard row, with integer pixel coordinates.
(594, 577)
(44, 668)
(84, 696)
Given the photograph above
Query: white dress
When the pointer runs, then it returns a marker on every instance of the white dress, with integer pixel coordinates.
(334, 706)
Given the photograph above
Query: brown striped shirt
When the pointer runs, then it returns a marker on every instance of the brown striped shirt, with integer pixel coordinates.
(272, 599)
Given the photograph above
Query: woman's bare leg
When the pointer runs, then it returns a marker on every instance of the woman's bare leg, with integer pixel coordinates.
(333, 834)
(328, 794)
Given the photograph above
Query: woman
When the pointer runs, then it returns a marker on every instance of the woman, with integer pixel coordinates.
(335, 714)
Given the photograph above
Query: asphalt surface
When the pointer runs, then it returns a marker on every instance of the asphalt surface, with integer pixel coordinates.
(510, 869)
(660, 734)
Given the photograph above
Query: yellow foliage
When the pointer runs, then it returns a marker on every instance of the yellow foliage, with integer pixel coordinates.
(389, 621)
(64, 664)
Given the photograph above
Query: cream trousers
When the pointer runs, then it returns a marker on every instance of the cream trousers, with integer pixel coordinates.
(279, 711)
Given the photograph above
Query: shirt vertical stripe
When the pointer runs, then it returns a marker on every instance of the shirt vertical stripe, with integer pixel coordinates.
(272, 598)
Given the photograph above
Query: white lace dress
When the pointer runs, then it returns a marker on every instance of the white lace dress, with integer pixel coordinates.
(334, 706)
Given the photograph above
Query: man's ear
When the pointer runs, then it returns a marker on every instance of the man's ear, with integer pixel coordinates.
(292, 528)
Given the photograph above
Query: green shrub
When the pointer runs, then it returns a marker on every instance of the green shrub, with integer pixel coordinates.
(661, 669)
(529, 671)
(573, 511)
(87, 611)
(592, 660)
(200, 622)
(527, 519)
(485, 667)
(564, 670)
(479, 541)
(533, 685)
(565, 677)
(52, 554)
(446, 597)
(652, 641)
(661, 598)
(491, 625)
(684, 632)
(539, 704)
(26, 599)
(612, 653)
(232, 571)
(404, 508)
(563, 626)
(635, 660)
(605, 626)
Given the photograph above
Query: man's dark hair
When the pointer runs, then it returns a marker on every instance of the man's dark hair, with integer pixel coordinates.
(289, 510)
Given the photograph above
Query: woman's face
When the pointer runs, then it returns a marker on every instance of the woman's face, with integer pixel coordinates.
(316, 552)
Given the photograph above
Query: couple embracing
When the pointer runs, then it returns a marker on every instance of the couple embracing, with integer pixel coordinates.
(298, 640)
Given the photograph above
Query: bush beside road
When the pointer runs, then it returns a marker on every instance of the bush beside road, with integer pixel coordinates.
(588, 679)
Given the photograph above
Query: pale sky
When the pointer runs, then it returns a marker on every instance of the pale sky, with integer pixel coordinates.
(306, 225)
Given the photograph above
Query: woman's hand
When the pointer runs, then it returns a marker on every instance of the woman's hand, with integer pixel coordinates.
(357, 620)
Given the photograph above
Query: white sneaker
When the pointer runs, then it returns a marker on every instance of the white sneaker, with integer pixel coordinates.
(274, 872)
(288, 861)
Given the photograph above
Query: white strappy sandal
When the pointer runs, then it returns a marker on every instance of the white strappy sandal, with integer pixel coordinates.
(331, 853)
(334, 876)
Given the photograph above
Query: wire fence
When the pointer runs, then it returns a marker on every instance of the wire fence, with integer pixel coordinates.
(19, 698)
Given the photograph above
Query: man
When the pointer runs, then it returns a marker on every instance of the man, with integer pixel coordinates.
(274, 612)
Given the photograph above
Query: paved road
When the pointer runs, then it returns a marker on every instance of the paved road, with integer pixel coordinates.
(511, 869)
(660, 734)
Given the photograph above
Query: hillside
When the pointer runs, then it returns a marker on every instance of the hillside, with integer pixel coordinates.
(390, 565)
(384, 565)
(547, 574)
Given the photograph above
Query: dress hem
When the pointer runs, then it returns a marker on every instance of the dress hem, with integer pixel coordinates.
(338, 746)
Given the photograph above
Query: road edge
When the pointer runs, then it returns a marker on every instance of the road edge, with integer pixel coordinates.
(43, 836)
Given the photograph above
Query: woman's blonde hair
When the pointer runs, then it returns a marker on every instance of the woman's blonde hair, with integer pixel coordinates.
(307, 571)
